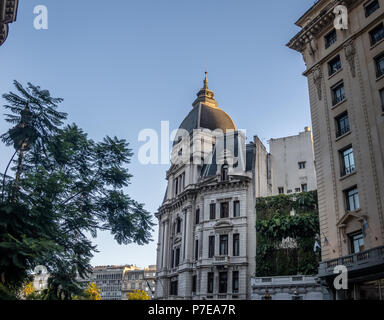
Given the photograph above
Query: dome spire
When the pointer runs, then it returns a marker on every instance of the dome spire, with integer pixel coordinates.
(205, 95)
(206, 80)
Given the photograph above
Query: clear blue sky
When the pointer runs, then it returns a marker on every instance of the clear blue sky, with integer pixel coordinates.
(123, 66)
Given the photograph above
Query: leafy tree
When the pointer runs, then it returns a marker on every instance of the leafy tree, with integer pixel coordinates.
(137, 295)
(93, 292)
(70, 188)
(275, 224)
(35, 118)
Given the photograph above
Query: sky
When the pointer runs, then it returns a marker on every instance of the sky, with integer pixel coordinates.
(123, 66)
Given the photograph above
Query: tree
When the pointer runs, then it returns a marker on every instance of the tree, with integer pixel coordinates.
(137, 295)
(35, 118)
(70, 188)
(93, 292)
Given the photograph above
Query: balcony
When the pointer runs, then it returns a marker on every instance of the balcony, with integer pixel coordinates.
(354, 262)
(221, 260)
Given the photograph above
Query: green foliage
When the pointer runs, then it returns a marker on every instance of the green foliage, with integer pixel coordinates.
(69, 187)
(275, 224)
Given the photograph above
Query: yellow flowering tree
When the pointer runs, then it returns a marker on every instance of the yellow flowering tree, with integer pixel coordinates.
(138, 295)
(28, 289)
(93, 292)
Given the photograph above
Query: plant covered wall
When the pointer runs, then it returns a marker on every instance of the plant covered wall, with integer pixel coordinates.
(287, 229)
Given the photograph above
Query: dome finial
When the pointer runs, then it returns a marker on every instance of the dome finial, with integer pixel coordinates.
(206, 80)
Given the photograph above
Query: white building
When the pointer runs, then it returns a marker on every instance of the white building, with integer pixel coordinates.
(207, 237)
(292, 160)
(288, 288)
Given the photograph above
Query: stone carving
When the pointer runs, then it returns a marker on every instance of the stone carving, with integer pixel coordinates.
(317, 76)
(350, 53)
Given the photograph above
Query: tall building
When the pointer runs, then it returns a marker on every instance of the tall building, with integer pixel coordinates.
(109, 280)
(207, 236)
(345, 71)
(8, 14)
(206, 247)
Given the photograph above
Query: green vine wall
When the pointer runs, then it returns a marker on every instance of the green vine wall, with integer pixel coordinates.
(275, 223)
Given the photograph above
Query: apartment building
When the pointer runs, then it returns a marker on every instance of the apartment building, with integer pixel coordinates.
(344, 61)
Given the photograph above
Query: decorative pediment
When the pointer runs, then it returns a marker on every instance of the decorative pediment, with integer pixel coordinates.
(348, 216)
(223, 227)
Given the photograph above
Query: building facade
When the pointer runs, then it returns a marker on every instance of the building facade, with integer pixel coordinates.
(135, 278)
(207, 236)
(109, 280)
(292, 164)
(206, 246)
(288, 288)
(8, 14)
(345, 71)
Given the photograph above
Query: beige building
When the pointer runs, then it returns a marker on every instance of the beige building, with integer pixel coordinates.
(135, 278)
(8, 13)
(345, 71)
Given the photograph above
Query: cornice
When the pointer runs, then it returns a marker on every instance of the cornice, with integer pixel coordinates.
(317, 25)
(8, 14)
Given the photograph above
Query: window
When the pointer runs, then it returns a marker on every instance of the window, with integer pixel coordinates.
(330, 38)
(334, 65)
(194, 282)
(235, 281)
(133, 286)
(289, 191)
(224, 210)
(178, 225)
(297, 190)
(302, 165)
(281, 190)
(223, 279)
(352, 199)
(236, 208)
(197, 218)
(212, 211)
(348, 161)
(210, 282)
(379, 61)
(371, 7)
(377, 34)
(196, 249)
(304, 187)
(224, 245)
(173, 288)
(236, 244)
(382, 99)
(176, 186)
(357, 242)
(338, 94)
(342, 124)
(211, 246)
(224, 173)
(177, 257)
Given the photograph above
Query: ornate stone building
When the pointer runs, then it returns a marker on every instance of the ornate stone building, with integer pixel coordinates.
(8, 13)
(345, 71)
(207, 235)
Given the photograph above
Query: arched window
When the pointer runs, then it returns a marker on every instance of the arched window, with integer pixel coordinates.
(224, 173)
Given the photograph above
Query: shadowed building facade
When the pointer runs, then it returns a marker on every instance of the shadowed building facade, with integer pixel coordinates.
(8, 13)
(345, 71)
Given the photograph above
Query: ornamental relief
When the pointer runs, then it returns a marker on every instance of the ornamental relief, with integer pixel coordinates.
(317, 77)
(350, 53)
